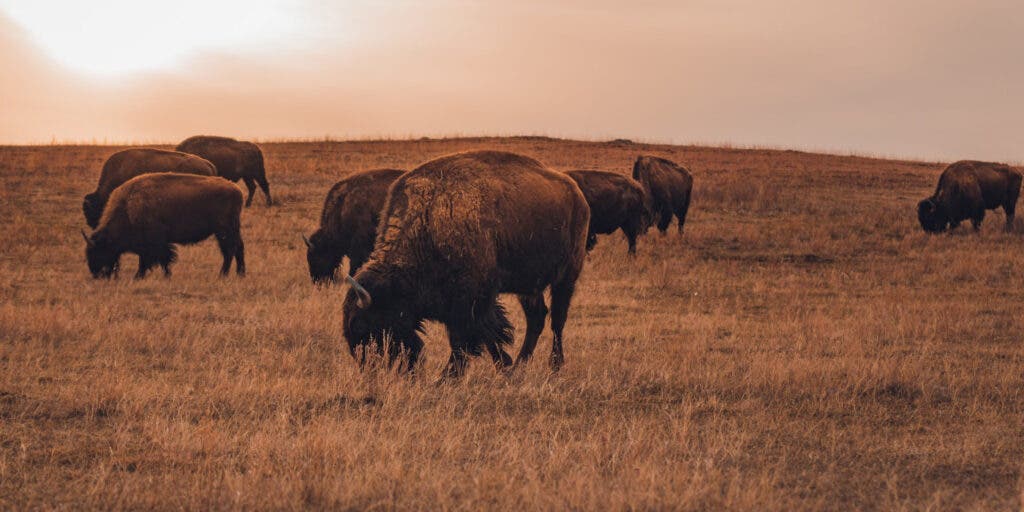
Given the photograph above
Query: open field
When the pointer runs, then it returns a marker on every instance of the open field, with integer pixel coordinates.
(802, 345)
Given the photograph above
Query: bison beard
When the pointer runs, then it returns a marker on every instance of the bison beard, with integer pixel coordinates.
(454, 234)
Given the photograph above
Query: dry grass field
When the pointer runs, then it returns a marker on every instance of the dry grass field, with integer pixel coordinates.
(802, 346)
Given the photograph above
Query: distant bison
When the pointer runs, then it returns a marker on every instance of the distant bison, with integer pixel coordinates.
(966, 189)
(348, 223)
(235, 160)
(668, 186)
(616, 202)
(455, 233)
(125, 165)
(149, 213)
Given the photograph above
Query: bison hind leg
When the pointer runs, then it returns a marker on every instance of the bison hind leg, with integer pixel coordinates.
(561, 297)
(681, 213)
(265, 187)
(536, 312)
(231, 248)
(664, 220)
(250, 185)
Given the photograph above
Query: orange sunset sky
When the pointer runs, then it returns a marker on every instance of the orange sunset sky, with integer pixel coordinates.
(929, 79)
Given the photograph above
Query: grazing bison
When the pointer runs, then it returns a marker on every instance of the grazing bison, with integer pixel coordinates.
(235, 160)
(125, 165)
(455, 233)
(966, 189)
(149, 213)
(616, 202)
(668, 187)
(348, 223)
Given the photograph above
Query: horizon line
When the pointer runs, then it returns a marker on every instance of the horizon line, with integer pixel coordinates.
(641, 141)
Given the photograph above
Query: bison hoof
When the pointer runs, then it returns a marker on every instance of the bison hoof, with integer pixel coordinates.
(556, 362)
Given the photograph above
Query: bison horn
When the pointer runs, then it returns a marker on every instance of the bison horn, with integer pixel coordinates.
(88, 240)
(364, 296)
(309, 245)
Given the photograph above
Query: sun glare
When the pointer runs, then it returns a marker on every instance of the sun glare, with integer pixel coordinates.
(114, 37)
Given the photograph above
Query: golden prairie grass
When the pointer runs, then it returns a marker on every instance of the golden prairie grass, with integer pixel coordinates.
(802, 345)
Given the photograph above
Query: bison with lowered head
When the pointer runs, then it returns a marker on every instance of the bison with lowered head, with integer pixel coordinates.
(235, 160)
(150, 213)
(616, 202)
(966, 189)
(125, 165)
(668, 187)
(456, 232)
(348, 223)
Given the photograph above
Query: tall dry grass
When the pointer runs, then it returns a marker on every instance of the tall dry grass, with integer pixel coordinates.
(803, 345)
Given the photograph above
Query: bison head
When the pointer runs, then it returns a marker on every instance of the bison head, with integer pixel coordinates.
(377, 316)
(932, 218)
(102, 257)
(323, 258)
(93, 209)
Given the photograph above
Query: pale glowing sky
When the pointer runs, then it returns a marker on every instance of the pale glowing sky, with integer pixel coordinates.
(931, 79)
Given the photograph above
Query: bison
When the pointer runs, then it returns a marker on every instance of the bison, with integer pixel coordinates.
(668, 187)
(125, 165)
(454, 234)
(151, 212)
(235, 160)
(616, 202)
(966, 189)
(348, 223)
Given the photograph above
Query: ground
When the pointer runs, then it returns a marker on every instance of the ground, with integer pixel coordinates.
(803, 345)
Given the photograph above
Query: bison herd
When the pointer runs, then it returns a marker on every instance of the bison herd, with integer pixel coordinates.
(440, 242)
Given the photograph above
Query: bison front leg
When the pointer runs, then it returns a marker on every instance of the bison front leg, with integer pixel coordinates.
(146, 262)
(456, 365)
(976, 220)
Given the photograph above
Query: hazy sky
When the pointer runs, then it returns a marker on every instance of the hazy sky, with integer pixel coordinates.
(932, 79)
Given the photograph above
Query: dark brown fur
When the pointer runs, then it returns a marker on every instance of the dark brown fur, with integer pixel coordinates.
(151, 212)
(125, 165)
(348, 223)
(668, 186)
(455, 233)
(965, 190)
(616, 202)
(235, 160)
